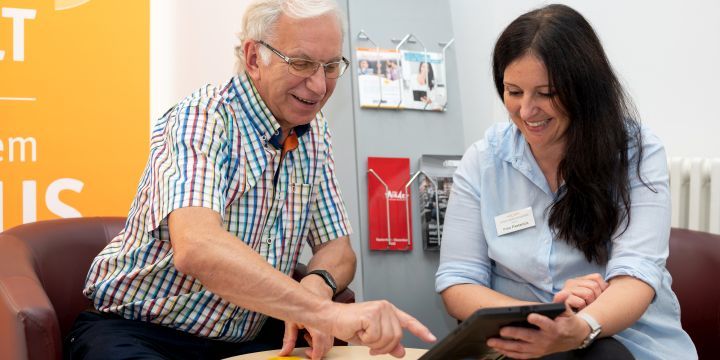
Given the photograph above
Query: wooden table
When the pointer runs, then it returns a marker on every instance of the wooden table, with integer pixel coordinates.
(336, 353)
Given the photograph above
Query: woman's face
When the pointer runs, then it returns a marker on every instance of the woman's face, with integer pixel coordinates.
(423, 68)
(528, 98)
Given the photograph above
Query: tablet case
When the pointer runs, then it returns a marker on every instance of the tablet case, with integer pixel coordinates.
(469, 338)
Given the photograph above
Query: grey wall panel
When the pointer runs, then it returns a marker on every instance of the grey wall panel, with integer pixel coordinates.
(406, 279)
(339, 112)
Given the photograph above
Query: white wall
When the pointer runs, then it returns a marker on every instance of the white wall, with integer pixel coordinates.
(666, 52)
(191, 44)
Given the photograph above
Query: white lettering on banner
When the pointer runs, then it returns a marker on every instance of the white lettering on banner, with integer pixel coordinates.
(22, 144)
(29, 201)
(395, 195)
(19, 16)
(52, 199)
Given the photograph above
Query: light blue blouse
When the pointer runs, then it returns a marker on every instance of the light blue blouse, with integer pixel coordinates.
(499, 175)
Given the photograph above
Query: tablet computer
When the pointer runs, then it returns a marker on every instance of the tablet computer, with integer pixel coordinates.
(418, 95)
(469, 338)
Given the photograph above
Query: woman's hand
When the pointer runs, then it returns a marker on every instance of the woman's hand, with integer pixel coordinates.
(564, 333)
(581, 291)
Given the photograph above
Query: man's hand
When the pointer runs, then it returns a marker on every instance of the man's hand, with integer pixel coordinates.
(319, 342)
(377, 325)
(581, 291)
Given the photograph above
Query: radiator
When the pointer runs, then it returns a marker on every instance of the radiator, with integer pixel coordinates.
(695, 193)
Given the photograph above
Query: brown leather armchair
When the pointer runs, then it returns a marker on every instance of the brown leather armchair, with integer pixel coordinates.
(42, 272)
(693, 263)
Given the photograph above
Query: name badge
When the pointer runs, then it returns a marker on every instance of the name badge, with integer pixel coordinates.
(514, 221)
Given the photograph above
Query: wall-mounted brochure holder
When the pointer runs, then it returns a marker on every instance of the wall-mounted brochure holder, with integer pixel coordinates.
(390, 224)
(434, 191)
(399, 78)
(445, 46)
(370, 63)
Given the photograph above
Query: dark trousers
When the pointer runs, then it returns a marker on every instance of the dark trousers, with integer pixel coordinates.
(107, 336)
(601, 349)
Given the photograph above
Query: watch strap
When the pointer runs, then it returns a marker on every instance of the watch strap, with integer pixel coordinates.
(325, 275)
(595, 329)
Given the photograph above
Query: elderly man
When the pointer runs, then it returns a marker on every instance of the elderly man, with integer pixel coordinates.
(238, 177)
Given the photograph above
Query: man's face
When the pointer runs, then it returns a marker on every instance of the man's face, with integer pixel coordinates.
(292, 99)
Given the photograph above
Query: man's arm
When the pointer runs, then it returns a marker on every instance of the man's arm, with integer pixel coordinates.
(229, 268)
(338, 258)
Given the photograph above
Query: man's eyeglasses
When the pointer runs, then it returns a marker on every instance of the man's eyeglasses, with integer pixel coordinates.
(306, 68)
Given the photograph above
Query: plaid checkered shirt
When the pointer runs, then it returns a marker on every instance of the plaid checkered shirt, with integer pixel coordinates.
(218, 149)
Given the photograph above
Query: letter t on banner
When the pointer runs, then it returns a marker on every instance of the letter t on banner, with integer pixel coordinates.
(389, 204)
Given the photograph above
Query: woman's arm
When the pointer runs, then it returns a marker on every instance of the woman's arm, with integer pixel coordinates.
(637, 261)
(464, 273)
(621, 304)
(463, 299)
(618, 307)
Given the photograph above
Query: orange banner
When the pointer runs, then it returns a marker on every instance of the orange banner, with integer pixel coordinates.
(74, 105)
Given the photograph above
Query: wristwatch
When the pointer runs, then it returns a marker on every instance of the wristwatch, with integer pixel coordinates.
(595, 329)
(327, 277)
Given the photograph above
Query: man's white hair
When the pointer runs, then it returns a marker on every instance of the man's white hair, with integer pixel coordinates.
(261, 16)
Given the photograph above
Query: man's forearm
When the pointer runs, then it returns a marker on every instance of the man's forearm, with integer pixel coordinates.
(229, 268)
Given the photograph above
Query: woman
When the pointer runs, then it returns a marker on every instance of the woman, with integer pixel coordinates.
(568, 203)
(425, 77)
(422, 83)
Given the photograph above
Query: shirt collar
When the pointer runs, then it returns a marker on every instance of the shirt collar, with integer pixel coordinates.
(299, 131)
(509, 143)
(263, 119)
(512, 147)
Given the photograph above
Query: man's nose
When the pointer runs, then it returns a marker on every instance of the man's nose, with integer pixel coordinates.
(317, 82)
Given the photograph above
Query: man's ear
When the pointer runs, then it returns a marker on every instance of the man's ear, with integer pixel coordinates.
(252, 59)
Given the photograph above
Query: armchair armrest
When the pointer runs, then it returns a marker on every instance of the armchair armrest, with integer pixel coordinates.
(29, 327)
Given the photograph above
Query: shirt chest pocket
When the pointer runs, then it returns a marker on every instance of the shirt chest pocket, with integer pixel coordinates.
(297, 211)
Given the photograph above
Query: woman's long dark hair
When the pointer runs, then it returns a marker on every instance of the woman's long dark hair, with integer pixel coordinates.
(595, 201)
(430, 75)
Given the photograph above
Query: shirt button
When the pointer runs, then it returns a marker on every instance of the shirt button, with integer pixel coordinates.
(269, 241)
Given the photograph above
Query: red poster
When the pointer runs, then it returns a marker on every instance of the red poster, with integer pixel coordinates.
(389, 204)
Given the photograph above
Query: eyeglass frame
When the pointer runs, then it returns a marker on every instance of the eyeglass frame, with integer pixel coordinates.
(288, 60)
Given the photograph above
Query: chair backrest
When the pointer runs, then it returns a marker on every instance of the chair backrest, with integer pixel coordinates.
(693, 262)
(61, 252)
